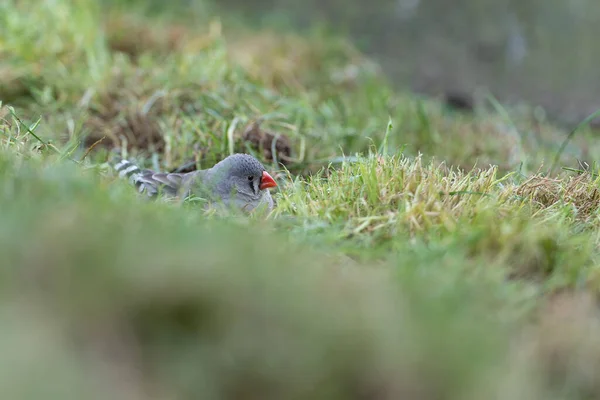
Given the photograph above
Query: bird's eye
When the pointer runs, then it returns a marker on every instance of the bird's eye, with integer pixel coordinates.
(250, 178)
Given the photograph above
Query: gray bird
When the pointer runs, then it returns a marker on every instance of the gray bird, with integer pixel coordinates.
(239, 180)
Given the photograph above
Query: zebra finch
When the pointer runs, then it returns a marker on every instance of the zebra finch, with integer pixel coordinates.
(239, 180)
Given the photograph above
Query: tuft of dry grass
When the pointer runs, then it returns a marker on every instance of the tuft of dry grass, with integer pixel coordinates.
(377, 201)
(580, 192)
(381, 193)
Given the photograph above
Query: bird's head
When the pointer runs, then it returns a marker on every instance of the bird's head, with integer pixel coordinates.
(243, 175)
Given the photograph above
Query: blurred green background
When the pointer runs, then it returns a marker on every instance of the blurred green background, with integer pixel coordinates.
(543, 52)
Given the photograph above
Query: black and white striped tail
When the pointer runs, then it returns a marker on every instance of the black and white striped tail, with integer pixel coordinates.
(127, 169)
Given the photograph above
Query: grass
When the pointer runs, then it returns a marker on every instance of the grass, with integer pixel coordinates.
(414, 251)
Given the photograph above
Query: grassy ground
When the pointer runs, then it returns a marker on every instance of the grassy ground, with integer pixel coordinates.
(415, 252)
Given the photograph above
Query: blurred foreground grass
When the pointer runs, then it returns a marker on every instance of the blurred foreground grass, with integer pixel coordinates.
(386, 274)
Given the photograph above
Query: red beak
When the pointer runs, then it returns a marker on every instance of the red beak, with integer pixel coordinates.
(267, 181)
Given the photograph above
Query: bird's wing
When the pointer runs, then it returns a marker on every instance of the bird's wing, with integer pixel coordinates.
(193, 183)
(155, 182)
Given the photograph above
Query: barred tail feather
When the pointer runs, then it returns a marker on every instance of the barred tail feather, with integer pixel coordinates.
(127, 169)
